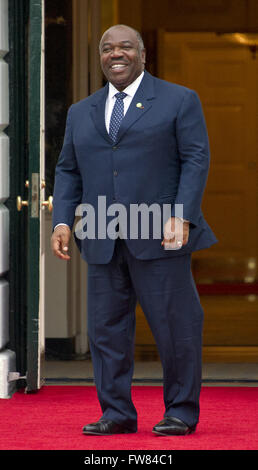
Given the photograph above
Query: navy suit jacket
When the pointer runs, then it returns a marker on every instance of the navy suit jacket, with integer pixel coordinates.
(161, 156)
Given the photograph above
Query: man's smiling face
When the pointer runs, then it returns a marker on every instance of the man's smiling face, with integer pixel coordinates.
(122, 59)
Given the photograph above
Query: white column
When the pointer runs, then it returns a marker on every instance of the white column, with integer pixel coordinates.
(7, 357)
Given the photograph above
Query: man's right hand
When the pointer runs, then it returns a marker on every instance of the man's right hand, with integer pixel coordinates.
(60, 241)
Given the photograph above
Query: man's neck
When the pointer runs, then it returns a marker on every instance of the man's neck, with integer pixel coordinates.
(122, 88)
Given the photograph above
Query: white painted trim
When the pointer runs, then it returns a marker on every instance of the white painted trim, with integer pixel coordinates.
(4, 167)
(4, 313)
(4, 239)
(4, 95)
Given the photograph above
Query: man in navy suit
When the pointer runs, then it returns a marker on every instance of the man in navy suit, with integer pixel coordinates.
(139, 140)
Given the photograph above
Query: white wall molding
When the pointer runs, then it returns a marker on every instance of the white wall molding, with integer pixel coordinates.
(4, 38)
(4, 95)
(4, 167)
(4, 313)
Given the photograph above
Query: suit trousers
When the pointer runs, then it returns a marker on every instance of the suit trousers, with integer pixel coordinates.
(167, 294)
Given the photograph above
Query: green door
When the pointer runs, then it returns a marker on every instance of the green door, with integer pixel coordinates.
(35, 250)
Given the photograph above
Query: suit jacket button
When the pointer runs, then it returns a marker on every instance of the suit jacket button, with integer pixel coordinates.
(115, 147)
(115, 173)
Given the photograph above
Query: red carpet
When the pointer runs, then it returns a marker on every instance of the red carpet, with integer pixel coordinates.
(52, 419)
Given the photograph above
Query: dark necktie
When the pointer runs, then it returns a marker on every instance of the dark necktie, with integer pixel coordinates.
(117, 115)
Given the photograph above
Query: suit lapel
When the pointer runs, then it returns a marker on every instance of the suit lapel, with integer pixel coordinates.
(141, 103)
(98, 113)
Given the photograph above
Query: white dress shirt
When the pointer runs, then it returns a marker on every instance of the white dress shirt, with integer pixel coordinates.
(111, 99)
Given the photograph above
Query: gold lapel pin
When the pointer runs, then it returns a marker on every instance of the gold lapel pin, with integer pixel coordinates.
(139, 105)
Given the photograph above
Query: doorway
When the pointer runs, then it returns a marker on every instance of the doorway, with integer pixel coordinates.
(67, 81)
(224, 71)
(72, 32)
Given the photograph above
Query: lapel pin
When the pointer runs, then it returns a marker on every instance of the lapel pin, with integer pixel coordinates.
(139, 105)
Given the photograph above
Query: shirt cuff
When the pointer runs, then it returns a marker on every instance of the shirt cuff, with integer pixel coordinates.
(60, 224)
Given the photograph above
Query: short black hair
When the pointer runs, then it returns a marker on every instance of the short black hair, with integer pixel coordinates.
(138, 35)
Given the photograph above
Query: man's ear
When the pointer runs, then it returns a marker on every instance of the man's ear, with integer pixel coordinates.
(144, 56)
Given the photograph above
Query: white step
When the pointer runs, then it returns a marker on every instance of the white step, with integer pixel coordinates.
(7, 364)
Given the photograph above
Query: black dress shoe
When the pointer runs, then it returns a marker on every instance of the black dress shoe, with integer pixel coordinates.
(170, 426)
(105, 427)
